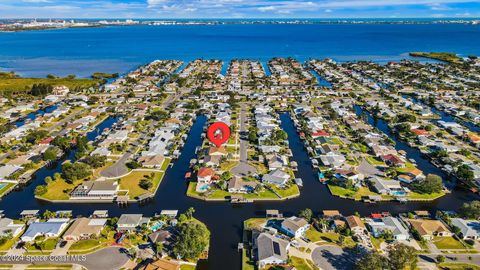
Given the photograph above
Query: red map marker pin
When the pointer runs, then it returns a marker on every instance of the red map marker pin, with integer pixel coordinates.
(218, 133)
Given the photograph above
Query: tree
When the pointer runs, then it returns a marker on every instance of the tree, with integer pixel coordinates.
(189, 212)
(50, 154)
(34, 136)
(465, 174)
(226, 176)
(306, 214)
(432, 184)
(372, 261)
(95, 161)
(193, 239)
(63, 143)
(145, 183)
(74, 171)
(440, 259)
(40, 190)
(48, 214)
(470, 210)
(401, 256)
(133, 164)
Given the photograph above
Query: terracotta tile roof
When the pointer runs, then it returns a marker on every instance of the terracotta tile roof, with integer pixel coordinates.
(203, 172)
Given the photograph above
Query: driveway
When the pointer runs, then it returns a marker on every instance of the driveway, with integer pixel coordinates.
(117, 169)
(333, 258)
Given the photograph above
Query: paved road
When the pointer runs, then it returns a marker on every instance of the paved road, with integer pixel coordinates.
(452, 258)
(243, 168)
(110, 258)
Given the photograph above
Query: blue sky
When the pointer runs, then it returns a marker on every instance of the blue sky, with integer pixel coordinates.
(238, 8)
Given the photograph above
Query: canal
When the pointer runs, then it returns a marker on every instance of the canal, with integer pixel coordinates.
(223, 219)
(445, 116)
(33, 115)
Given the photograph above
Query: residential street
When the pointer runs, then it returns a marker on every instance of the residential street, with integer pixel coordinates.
(243, 168)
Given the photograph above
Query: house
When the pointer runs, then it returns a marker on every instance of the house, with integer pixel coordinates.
(9, 228)
(100, 190)
(154, 161)
(469, 229)
(29, 213)
(355, 224)
(276, 177)
(204, 178)
(130, 222)
(295, 226)
(276, 161)
(217, 151)
(270, 250)
(390, 187)
(8, 170)
(393, 160)
(161, 236)
(410, 175)
(84, 228)
(333, 160)
(50, 228)
(237, 185)
(428, 228)
(379, 225)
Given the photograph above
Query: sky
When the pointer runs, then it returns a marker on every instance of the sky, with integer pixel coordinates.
(238, 8)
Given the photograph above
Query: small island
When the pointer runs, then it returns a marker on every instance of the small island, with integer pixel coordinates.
(442, 56)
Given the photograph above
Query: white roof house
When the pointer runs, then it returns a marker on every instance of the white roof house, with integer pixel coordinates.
(470, 229)
(50, 228)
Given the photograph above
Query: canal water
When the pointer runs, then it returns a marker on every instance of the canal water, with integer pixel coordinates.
(224, 219)
(446, 117)
(33, 115)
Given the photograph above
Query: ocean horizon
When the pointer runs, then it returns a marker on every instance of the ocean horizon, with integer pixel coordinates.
(83, 51)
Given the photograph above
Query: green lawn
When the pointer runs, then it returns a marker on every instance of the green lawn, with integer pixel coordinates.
(6, 188)
(375, 161)
(187, 267)
(447, 243)
(247, 264)
(376, 242)
(432, 196)
(131, 181)
(458, 266)
(84, 244)
(49, 245)
(59, 190)
(289, 191)
(357, 195)
(165, 164)
(299, 263)
(254, 223)
(25, 84)
(330, 237)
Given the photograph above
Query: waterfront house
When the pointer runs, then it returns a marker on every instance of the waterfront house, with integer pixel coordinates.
(270, 250)
(295, 226)
(428, 228)
(276, 177)
(333, 160)
(393, 160)
(469, 229)
(96, 190)
(355, 224)
(217, 151)
(154, 161)
(379, 225)
(410, 175)
(100, 214)
(49, 228)
(9, 228)
(130, 222)
(276, 161)
(8, 170)
(390, 187)
(84, 228)
(237, 185)
(204, 178)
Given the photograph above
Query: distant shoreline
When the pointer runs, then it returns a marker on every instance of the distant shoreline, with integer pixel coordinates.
(17, 25)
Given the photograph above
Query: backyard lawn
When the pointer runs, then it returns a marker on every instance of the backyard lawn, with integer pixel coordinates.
(447, 243)
(84, 244)
(131, 182)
